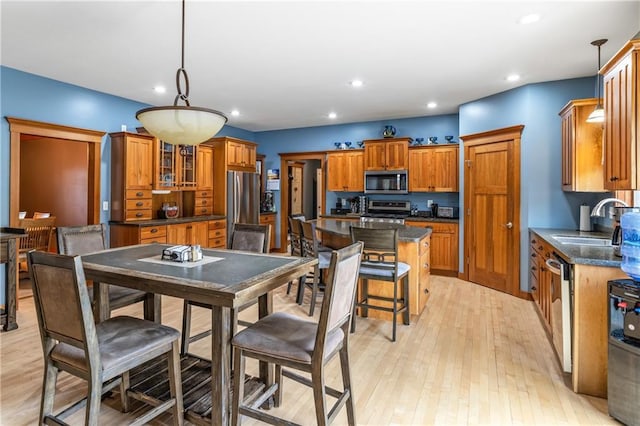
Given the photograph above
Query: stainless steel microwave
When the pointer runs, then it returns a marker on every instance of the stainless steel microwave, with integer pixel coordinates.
(381, 182)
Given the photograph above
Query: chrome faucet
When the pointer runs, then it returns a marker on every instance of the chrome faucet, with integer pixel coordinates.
(598, 210)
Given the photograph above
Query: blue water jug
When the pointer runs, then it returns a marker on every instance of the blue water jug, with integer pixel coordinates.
(630, 248)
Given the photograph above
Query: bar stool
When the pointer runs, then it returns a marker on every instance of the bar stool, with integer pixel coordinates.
(311, 248)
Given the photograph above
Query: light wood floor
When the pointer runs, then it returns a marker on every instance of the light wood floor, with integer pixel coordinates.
(474, 356)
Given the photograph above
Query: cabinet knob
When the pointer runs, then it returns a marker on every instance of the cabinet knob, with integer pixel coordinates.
(139, 204)
(154, 230)
(139, 194)
(425, 266)
(534, 288)
(138, 214)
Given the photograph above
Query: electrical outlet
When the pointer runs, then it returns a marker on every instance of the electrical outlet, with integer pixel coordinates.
(105, 206)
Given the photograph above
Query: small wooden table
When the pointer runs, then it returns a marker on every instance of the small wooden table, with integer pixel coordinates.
(231, 281)
(9, 255)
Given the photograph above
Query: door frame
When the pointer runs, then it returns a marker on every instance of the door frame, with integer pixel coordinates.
(512, 135)
(93, 138)
(285, 159)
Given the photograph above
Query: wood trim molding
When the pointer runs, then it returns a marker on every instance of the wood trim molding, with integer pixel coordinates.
(19, 127)
(492, 136)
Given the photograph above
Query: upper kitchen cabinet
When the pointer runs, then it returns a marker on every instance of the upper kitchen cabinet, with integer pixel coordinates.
(175, 166)
(345, 171)
(241, 155)
(581, 148)
(621, 79)
(433, 168)
(131, 176)
(386, 154)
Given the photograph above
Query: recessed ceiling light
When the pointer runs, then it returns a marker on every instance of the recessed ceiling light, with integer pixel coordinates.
(356, 83)
(529, 19)
(432, 105)
(513, 77)
(332, 115)
(159, 89)
(235, 113)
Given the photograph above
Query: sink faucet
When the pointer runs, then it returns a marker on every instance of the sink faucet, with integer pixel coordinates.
(598, 210)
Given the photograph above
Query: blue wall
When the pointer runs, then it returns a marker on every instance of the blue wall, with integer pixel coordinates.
(543, 203)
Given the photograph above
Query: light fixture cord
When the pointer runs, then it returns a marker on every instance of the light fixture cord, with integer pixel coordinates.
(182, 72)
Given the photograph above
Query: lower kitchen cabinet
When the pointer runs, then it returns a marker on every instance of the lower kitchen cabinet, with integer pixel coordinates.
(540, 278)
(206, 233)
(190, 233)
(270, 219)
(217, 233)
(444, 246)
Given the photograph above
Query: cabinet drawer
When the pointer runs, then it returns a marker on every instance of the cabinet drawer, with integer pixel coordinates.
(443, 228)
(160, 239)
(217, 233)
(203, 210)
(203, 202)
(199, 193)
(138, 193)
(424, 246)
(139, 214)
(217, 242)
(153, 232)
(139, 204)
(217, 224)
(267, 218)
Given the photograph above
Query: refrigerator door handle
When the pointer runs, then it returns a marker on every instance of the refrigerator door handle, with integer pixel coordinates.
(236, 199)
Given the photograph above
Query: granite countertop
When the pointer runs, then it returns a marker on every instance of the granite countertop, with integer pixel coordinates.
(410, 218)
(153, 222)
(341, 228)
(581, 254)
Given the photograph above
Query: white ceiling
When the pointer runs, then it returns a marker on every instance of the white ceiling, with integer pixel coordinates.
(288, 64)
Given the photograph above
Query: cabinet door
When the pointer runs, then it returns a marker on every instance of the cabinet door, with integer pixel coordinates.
(200, 233)
(139, 163)
(445, 169)
(166, 176)
(420, 170)
(397, 155)
(204, 168)
(355, 172)
(619, 100)
(567, 150)
(186, 170)
(336, 172)
(249, 156)
(178, 233)
(375, 155)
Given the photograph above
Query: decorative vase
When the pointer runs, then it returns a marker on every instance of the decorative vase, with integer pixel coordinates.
(389, 131)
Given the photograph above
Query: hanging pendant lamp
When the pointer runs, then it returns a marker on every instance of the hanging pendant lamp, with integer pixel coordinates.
(181, 125)
(597, 116)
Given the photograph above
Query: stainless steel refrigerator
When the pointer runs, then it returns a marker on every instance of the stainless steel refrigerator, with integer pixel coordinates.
(243, 199)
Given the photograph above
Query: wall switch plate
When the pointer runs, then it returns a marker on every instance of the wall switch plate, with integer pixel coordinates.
(429, 202)
(105, 206)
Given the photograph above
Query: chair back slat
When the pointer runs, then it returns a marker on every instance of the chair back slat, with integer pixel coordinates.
(76, 240)
(251, 237)
(38, 233)
(340, 290)
(61, 297)
(309, 238)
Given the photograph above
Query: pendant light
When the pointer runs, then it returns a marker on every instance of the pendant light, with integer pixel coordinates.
(597, 116)
(181, 125)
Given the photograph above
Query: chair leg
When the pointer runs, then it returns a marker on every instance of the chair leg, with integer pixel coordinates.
(93, 399)
(365, 298)
(48, 390)
(301, 284)
(175, 384)
(314, 289)
(407, 314)
(346, 381)
(317, 379)
(124, 385)
(238, 385)
(277, 396)
(395, 310)
(186, 328)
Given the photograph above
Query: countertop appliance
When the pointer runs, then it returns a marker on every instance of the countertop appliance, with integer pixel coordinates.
(561, 309)
(386, 182)
(243, 199)
(623, 378)
(447, 212)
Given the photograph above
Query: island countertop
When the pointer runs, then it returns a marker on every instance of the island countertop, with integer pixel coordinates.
(341, 228)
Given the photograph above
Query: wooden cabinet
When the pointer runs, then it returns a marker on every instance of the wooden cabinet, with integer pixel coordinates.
(195, 232)
(582, 153)
(203, 197)
(621, 80)
(540, 277)
(126, 235)
(131, 176)
(386, 154)
(189, 233)
(444, 246)
(241, 155)
(175, 166)
(270, 219)
(217, 233)
(345, 171)
(433, 169)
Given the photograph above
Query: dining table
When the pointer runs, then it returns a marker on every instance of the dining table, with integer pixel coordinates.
(224, 279)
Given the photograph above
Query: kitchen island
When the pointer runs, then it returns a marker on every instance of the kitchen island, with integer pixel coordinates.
(413, 249)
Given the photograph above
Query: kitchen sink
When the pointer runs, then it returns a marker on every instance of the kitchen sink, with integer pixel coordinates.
(582, 241)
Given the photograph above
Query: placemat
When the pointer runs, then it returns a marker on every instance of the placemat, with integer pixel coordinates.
(158, 259)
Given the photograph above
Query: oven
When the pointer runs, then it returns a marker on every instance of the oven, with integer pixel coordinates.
(561, 308)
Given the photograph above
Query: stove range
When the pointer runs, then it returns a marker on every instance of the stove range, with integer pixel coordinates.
(387, 211)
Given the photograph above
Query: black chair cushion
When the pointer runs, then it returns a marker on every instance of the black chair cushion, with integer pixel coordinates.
(285, 336)
(120, 338)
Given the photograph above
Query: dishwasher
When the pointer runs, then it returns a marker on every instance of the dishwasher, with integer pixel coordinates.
(561, 308)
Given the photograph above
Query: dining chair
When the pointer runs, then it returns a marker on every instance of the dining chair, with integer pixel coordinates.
(295, 244)
(39, 233)
(380, 262)
(247, 237)
(103, 353)
(289, 341)
(78, 240)
(311, 247)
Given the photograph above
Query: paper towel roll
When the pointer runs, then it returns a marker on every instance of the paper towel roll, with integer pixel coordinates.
(585, 218)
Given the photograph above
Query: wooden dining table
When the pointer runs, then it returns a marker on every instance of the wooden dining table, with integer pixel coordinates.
(224, 279)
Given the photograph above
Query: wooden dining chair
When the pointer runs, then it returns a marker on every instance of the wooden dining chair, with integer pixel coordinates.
(78, 240)
(103, 353)
(380, 262)
(247, 237)
(39, 233)
(289, 341)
